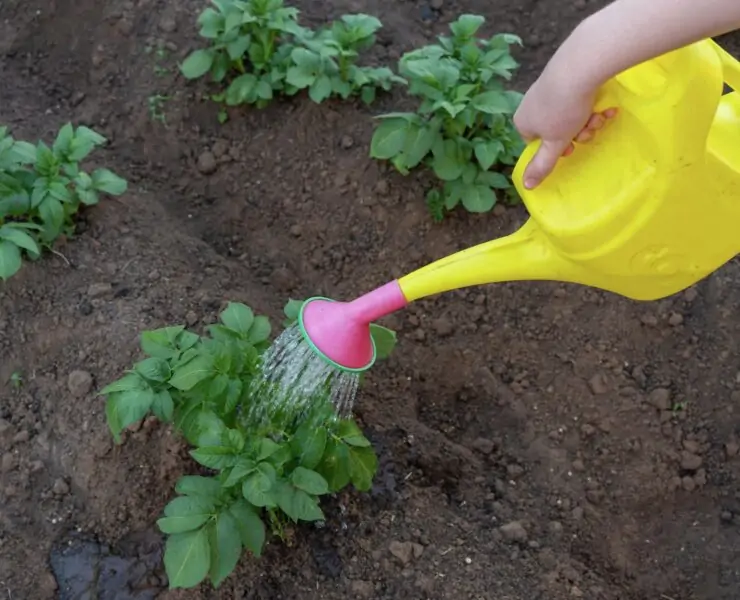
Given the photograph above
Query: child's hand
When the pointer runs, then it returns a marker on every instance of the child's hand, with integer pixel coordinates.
(558, 117)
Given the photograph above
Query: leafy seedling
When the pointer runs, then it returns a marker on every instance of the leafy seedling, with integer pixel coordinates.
(156, 108)
(463, 126)
(259, 50)
(42, 188)
(259, 478)
(325, 63)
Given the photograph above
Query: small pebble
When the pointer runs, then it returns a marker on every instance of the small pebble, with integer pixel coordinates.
(514, 532)
(675, 319)
(98, 290)
(207, 163)
(60, 487)
(660, 398)
(690, 461)
(79, 383)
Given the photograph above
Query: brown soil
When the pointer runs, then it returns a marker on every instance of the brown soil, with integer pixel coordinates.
(537, 441)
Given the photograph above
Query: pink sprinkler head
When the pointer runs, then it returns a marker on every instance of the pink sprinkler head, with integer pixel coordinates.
(339, 332)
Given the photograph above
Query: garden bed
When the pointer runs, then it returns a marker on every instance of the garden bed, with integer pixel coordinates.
(535, 440)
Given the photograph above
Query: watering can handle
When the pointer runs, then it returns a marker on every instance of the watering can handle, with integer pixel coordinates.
(674, 96)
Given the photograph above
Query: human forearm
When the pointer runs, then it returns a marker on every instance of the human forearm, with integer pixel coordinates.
(628, 32)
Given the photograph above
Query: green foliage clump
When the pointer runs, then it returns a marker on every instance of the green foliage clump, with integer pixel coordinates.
(43, 188)
(261, 476)
(259, 49)
(463, 126)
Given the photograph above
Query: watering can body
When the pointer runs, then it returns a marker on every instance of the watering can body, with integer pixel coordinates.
(648, 208)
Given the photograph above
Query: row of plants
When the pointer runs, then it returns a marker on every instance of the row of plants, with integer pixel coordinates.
(462, 128)
(42, 188)
(254, 479)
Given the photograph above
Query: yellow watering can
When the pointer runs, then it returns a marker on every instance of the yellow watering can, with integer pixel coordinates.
(645, 210)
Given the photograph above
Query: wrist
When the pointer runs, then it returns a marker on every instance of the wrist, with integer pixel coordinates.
(583, 60)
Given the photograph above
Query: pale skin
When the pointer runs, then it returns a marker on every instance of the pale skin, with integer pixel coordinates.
(558, 108)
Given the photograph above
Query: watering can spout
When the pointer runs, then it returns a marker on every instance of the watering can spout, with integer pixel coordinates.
(525, 255)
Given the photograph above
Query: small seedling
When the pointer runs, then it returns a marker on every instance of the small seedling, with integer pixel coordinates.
(260, 50)
(16, 379)
(42, 188)
(463, 126)
(261, 476)
(156, 107)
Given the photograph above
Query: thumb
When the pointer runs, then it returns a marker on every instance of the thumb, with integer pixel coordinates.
(543, 162)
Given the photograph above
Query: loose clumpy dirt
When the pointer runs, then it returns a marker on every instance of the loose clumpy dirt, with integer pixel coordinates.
(537, 441)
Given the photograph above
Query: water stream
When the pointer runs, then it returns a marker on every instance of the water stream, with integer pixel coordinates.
(294, 380)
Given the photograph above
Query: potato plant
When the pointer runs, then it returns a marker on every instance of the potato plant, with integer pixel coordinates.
(463, 126)
(258, 48)
(255, 477)
(42, 188)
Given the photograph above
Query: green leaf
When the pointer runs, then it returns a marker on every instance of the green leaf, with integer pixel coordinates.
(160, 343)
(447, 163)
(418, 143)
(467, 25)
(187, 558)
(367, 94)
(107, 181)
(24, 152)
(308, 445)
(435, 204)
(292, 310)
(233, 395)
(238, 47)
(309, 481)
(226, 547)
(193, 372)
(241, 469)
(10, 259)
(389, 138)
(197, 485)
(88, 197)
(264, 90)
(88, 136)
(350, 433)
(478, 198)
(385, 340)
(64, 138)
(320, 89)
(185, 513)
(197, 64)
(153, 369)
(256, 489)
(250, 526)
(51, 212)
(487, 152)
(214, 457)
(19, 238)
(266, 448)
(241, 90)
(362, 466)
(130, 381)
(335, 465)
(202, 427)
(237, 317)
(127, 407)
(163, 406)
(299, 78)
(260, 330)
(492, 103)
(297, 504)
(492, 179)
